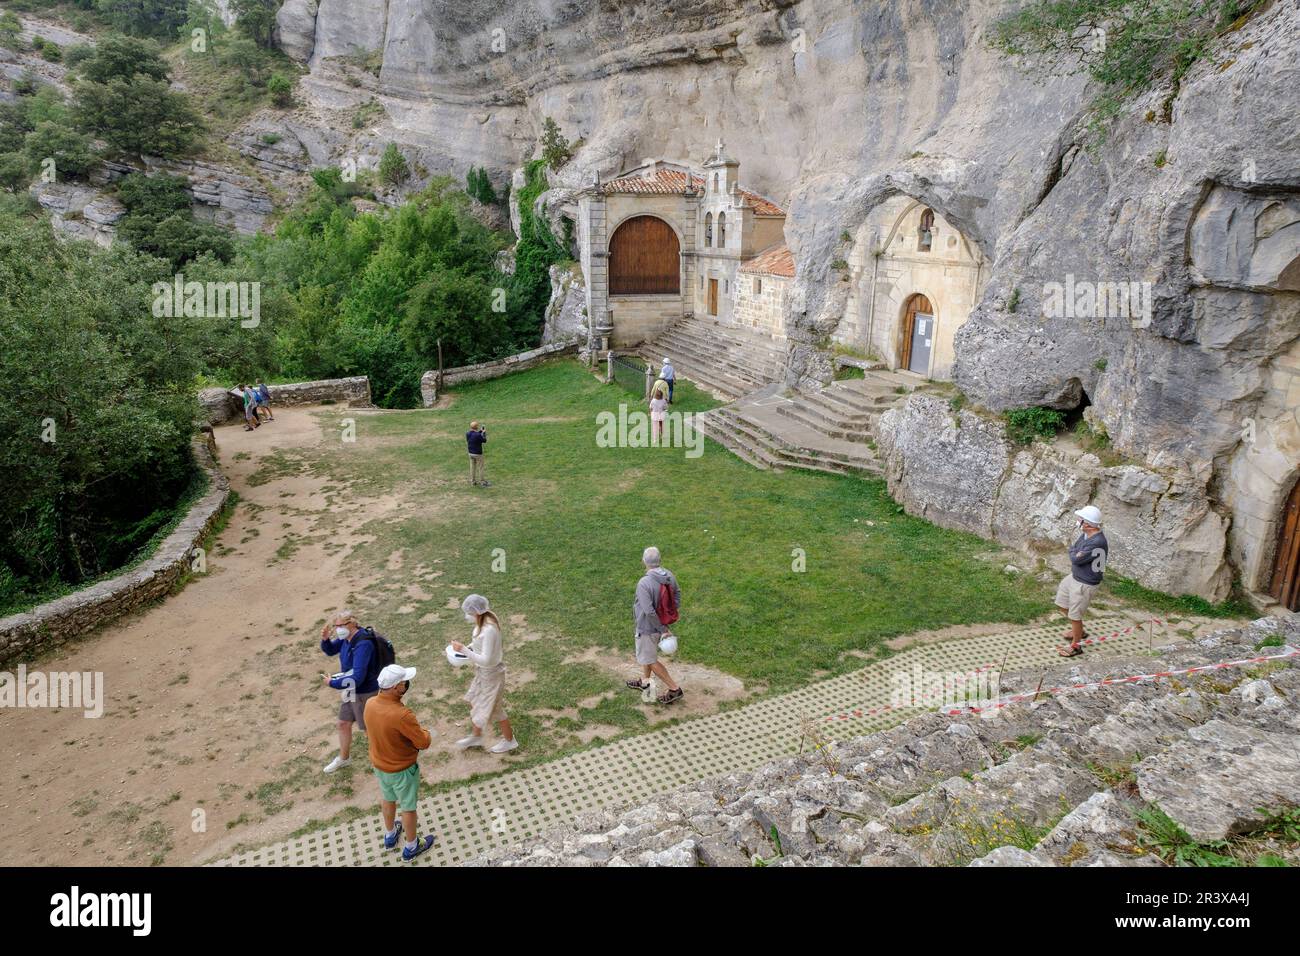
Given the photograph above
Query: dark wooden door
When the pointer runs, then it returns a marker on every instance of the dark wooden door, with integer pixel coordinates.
(917, 305)
(1286, 566)
(713, 297)
(644, 259)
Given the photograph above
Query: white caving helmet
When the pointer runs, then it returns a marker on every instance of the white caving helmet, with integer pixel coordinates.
(456, 659)
(668, 644)
(1090, 514)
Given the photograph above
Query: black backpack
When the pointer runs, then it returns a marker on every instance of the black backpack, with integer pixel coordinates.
(383, 655)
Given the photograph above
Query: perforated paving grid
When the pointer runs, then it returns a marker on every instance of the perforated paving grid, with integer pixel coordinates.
(474, 818)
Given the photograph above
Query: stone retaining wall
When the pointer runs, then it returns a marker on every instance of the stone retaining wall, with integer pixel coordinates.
(67, 617)
(220, 407)
(494, 369)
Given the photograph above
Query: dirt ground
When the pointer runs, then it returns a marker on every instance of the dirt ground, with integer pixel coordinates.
(216, 726)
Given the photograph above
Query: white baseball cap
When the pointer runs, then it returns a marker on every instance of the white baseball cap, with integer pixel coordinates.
(1090, 514)
(394, 674)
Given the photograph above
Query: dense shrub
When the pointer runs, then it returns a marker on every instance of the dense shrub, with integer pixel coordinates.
(96, 409)
(1026, 424)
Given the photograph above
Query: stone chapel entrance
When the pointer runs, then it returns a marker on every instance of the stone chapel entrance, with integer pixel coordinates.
(1286, 565)
(644, 258)
(918, 335)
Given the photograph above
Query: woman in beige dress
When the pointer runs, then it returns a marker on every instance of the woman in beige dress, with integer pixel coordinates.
(487, 692)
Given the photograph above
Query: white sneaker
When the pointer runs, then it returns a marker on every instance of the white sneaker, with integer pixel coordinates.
(503, 746)
(336, 764)
(466, 742)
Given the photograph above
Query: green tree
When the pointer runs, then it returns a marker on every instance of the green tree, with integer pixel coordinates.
(143, 117)
(257, 19)
(392, 166)
(479, 187)
(124, 58)
(281, 90)
(73, 154)
(158, 18)
(15, 171)
(556, 150)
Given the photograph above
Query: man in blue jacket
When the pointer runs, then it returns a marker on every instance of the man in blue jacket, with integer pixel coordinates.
(475, 439)
(355, 647)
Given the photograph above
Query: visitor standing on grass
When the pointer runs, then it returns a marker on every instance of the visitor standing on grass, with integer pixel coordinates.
(658, 411)
(476, 438)
(396, 739)
(669, 375)
(487, 692)
(1087, 564)
(361, 653)
(655, 608)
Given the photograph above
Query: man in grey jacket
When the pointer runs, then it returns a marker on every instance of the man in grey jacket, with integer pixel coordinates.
(648, 626)
(1087, 564)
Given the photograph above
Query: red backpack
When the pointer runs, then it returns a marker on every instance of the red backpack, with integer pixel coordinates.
(666, 607)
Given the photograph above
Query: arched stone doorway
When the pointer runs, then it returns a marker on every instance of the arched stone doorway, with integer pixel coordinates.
(917, 331)
(1285, 586)
(644, 258)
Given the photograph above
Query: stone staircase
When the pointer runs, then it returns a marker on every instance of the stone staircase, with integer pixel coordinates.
(1098, 769)
(726, 360)
(831, 430)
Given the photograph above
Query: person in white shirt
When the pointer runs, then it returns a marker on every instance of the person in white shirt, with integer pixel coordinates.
(487, 692)
(658, 411)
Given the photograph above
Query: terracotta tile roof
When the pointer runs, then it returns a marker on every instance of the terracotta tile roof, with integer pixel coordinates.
(775, 260)
(664, 182)
(667, 182)
(763, 207)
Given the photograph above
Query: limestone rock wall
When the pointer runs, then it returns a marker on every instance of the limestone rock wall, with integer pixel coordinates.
(959, 470)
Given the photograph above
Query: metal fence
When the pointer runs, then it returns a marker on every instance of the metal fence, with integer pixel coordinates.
(629, 372)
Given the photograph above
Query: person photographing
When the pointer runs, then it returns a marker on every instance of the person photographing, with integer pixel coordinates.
(475, 439)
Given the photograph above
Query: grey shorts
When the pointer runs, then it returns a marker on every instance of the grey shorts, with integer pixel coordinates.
(647, 648)
(1074, 596)
(354, 711)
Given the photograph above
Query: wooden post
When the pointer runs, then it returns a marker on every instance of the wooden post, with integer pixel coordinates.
(439, 366)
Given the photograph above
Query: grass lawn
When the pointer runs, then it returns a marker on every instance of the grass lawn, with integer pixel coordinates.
(571, 519)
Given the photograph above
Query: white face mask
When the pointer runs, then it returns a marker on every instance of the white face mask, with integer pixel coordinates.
(341, 633)
(471, 618)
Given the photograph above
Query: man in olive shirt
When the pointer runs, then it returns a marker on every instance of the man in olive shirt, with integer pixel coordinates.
(396, 739)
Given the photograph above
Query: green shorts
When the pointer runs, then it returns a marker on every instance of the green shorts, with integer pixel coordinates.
(402, 788)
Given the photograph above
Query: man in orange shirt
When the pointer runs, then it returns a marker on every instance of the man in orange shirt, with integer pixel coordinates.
(396, 739)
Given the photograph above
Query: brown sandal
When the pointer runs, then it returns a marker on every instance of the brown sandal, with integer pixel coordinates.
(1074, 651)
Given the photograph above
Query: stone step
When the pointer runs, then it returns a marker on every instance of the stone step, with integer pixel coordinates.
(728, 385)
(797, 455)
(731, 439)
(818, 421)
(674, 343)
(730, 363)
